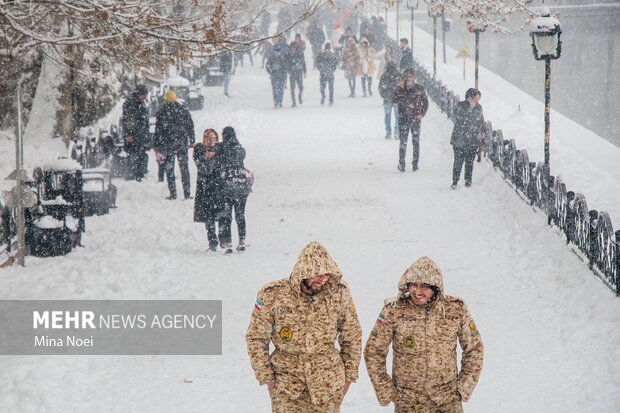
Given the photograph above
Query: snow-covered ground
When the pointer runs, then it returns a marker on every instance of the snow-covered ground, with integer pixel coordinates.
(549, 326)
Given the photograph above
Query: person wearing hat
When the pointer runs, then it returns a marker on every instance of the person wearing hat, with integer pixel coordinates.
(412, 106)
(406, 57)
(302, 316)
(135, 130)
(466, 138)
(174, 134)
(327, 63)
(423, 325)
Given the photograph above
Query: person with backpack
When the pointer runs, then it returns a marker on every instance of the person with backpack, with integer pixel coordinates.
(236, 185)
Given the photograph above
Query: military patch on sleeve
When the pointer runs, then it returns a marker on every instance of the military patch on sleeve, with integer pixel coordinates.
(286, 334)
(381, 319)
(472, 327)
(409, 342)
(374, 332)
(259, 305)
(352, 306)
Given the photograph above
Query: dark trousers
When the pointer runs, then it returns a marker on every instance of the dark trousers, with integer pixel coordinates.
(181, 155)
(368, 79)
(215, 239)
(352, 85)
(461, 156)
(327, 80)
(138, 161)
(404, 126)
(277, 87)
(238, 206)
(296, 79)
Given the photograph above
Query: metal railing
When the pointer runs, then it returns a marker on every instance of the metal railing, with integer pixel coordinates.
(590, 231)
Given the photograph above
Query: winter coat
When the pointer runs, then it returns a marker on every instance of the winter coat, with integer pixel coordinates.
(351, 57)
(423, 342)
(327, 63)
(315, 36)
(468, 123)
(389, 82)
(226, 60)
(135, 121)
(295, 62)
(303, 330)
(208, 202)
(366, 55)
(383, 60)
(406, 59)
(174, 128)
(229, 158)
(276, 67)
(412, 102)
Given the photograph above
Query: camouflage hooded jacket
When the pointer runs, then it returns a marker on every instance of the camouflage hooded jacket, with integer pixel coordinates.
(303, 329)
(423, 340)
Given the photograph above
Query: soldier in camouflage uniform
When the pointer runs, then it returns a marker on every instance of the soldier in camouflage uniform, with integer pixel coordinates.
(423, 325)
(303, 315)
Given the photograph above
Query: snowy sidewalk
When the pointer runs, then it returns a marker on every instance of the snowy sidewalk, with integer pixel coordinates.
(550, 328)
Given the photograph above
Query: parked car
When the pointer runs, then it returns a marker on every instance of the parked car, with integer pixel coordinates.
(211, 72)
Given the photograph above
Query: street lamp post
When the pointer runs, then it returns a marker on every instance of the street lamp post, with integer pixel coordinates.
(412, 8)
(547, 46)
(397, 18)
(476, 29)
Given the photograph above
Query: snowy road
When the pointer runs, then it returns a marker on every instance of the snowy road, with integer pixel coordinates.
(550, 328)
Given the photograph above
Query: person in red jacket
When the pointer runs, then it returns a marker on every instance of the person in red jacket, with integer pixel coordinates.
(412, 106)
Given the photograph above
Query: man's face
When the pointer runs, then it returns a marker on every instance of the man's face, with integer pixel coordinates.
(317, 282)
(403, 45)
(474, 101)
(420, 293)
(142, 97)
(409, 77)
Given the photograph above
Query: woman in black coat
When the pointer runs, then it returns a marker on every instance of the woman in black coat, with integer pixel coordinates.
(236, 186)
(209, 204)
(465, 140)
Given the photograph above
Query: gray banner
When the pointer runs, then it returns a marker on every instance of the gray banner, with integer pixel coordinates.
(112, 327)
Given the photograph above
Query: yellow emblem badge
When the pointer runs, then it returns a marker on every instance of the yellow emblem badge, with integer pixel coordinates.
(286, 334)
(472, 327)
(409, 342)
(352, 306)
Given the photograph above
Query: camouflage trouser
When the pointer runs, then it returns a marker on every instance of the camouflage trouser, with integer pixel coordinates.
(452, 405)
(283, 404)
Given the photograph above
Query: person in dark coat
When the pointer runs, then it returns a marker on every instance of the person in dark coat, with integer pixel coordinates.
(412, 106)
(468, 126)
(327, 63)
(276, 67)
(296, 67)
(135, 126)
(388, 83)
(406, 58)
(174, 133)
(315, 35)
(236, 186)
(226, 66)
(209, 205)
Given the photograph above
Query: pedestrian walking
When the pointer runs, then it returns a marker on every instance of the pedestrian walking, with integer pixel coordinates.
(235, 186)
(423, 325)
(327, 63)
(469, 127)
(174, 134)
(366, 65)
(384, 57)
(303, 315)
(406, 57)
(135, 130)
(387, 86)
(276, 67)
(412, 106)
(209, 203)
(296, 66)
(351, 57)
